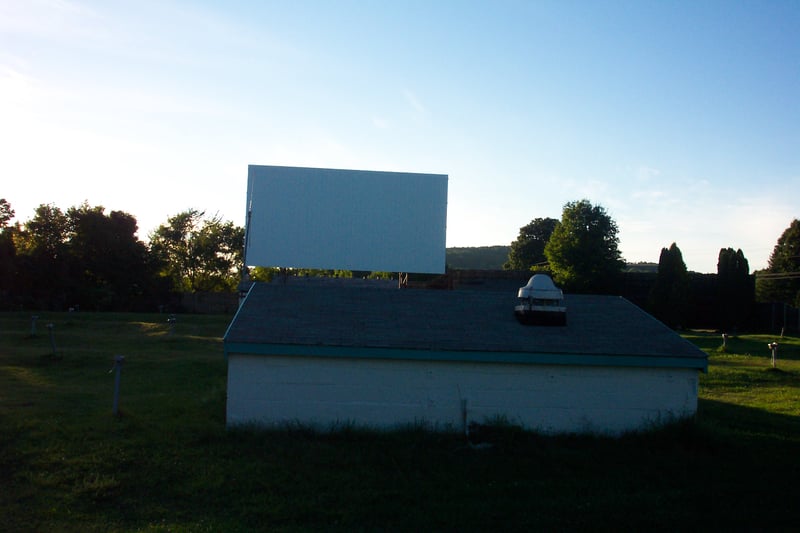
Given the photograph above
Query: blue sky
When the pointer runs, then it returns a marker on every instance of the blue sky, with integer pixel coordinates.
(682, 119)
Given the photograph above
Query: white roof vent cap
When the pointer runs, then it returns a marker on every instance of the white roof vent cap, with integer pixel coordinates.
(541, 286)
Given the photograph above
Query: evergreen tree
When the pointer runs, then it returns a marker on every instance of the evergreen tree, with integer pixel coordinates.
(669, 297)
(735, 288)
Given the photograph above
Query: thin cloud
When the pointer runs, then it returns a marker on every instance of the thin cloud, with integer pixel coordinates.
(15, 86)
(25, 98)
(645, 173)
(415, 103)
(53, 19)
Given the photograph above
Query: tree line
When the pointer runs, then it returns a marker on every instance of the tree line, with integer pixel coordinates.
(87, 258)
(580, 251)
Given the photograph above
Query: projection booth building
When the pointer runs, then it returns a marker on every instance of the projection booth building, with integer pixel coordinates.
(380, 357)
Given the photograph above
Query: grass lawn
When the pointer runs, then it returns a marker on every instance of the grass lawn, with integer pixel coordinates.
(167, 463)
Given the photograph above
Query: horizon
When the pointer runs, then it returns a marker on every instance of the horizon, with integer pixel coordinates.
(680, 119)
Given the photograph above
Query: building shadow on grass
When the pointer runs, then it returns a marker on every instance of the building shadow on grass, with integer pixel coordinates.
(747, 422)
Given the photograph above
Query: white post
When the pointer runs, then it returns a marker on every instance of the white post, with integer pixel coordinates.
(774, 347)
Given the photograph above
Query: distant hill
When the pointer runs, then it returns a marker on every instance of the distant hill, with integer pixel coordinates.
(642, 267)
(493, 258)
(477, 258)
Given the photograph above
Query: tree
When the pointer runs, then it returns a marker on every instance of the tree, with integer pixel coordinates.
(735, 288)
(583, 250)
(670, 294)
(42, 258)
(198, 254)
(528, 249)
(8, 254)
(781, 281)
(6, 213)
(82, 258)
(46, 233)
(110, 265)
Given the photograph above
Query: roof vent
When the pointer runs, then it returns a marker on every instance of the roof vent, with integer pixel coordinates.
(541, 303)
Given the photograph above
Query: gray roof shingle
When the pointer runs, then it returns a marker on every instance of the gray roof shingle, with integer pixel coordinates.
(448, 321)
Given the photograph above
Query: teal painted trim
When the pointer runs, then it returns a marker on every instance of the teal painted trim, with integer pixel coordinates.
(466, 356)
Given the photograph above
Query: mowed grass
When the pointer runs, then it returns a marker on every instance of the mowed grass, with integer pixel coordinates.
(167, 463)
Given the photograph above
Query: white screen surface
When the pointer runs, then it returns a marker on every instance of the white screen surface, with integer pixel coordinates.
(346, 219)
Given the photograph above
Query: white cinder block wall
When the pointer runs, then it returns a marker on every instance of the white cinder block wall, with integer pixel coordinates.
(385, 393)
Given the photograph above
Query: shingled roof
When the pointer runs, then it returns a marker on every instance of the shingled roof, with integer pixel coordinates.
(449, 325)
